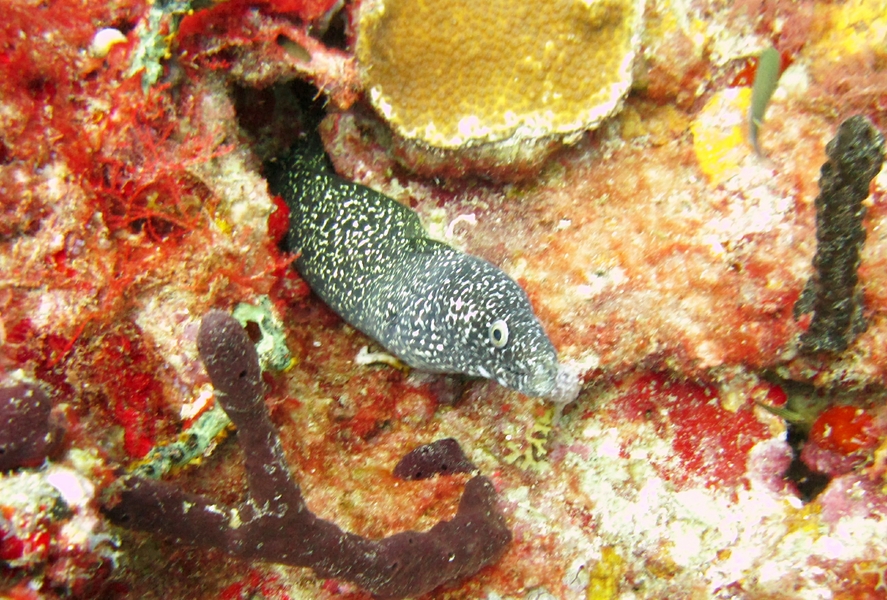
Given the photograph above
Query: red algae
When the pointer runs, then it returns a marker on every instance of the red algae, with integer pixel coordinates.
(124, 376)
(255, 582)
(711, 444)
(844, 429)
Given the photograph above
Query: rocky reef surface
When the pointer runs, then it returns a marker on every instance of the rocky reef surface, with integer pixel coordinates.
(710, 453)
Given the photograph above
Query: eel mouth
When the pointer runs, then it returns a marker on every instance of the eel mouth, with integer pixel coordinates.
(538, 381)
(559, 382)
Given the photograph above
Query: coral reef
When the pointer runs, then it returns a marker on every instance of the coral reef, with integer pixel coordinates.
(842, 439)
(271, 339)
(273, 522)
(500, 77)
(50, 535)
(259, 48)
(527, 449)
(855, 156)
(546, 70)
(662, 255)
(158, 32)
(195, 443)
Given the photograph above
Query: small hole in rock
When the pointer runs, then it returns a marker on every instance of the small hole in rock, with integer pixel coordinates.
(253, 331)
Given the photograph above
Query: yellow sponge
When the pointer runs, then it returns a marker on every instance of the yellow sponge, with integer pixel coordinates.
(718, 134)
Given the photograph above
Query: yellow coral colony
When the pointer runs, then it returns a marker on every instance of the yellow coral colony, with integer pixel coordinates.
(451, 73)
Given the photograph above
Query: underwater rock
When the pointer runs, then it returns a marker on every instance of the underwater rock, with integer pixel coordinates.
(274, 524)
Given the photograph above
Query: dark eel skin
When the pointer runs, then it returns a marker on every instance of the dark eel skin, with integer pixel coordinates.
(437, 309)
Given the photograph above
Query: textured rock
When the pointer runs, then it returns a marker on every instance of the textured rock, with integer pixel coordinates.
(450, 74)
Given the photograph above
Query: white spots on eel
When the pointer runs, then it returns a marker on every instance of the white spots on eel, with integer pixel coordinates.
(435, 308)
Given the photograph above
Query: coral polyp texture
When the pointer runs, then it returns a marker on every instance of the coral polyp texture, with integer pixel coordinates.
(451, 73)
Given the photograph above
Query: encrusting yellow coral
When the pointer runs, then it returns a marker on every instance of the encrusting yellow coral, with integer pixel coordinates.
(451, 73)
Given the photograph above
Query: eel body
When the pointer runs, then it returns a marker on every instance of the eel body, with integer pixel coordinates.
(437, 309)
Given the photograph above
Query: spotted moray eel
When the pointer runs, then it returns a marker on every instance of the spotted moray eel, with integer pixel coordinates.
(437, 309)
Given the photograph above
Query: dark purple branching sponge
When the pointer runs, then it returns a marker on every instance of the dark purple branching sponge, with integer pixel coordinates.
(28, 434)
(442, 457)
(273, 523)
(855, 156)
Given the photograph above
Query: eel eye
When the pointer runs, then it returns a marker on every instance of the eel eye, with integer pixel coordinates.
(499, 333)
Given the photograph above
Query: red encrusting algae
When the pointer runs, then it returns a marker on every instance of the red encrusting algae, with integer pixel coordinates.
(711, 444)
